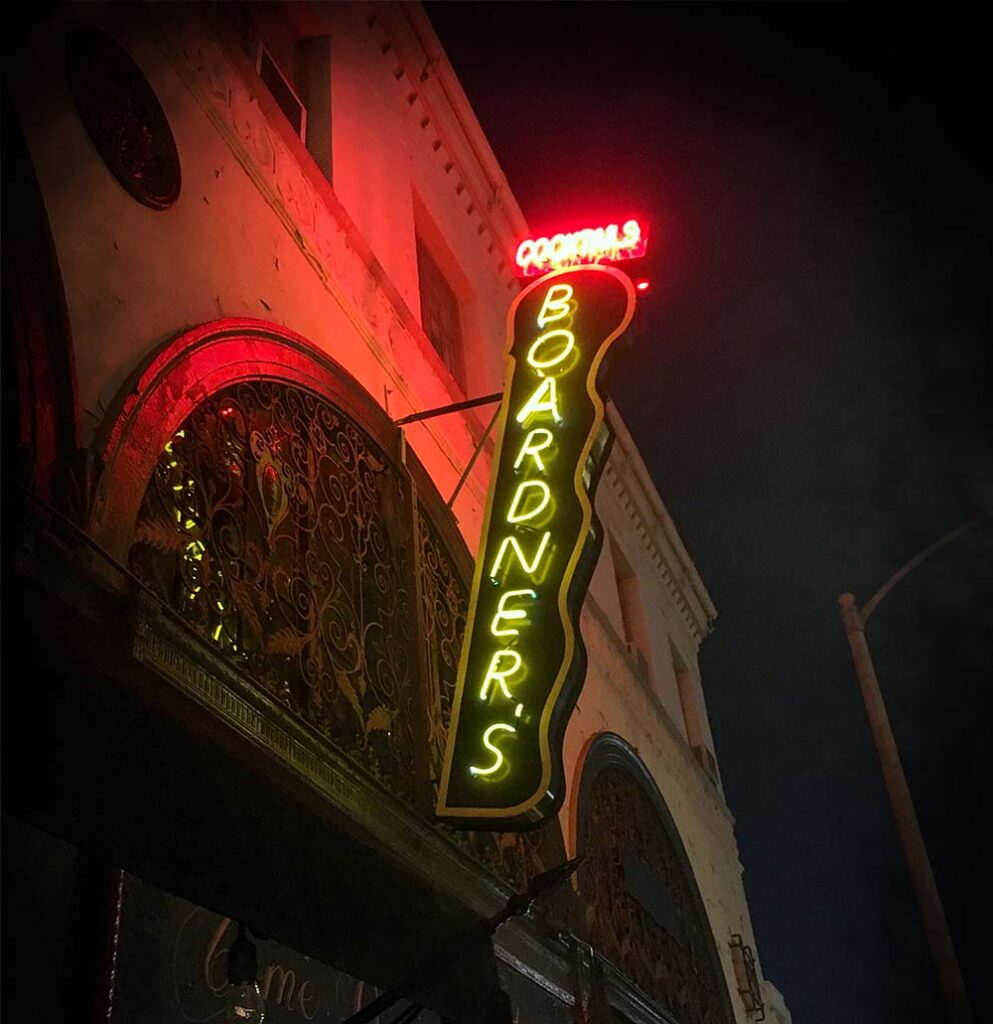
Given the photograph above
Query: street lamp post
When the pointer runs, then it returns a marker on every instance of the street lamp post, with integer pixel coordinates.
(935, 925)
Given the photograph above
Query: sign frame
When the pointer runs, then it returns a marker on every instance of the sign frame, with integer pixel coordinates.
(571, 586)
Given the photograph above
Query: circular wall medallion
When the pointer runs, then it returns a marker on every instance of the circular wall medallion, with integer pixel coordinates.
(123, 117)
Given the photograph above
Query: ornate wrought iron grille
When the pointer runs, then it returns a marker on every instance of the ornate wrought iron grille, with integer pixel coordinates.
(274, 526)
(621, 833)
(446, 603)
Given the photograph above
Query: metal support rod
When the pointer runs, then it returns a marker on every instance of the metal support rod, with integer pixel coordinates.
(430, 974)
(408, 1015)
(442, 410)
(472, 461)
(939, 938)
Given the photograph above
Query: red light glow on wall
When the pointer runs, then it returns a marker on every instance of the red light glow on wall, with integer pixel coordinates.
(608, 244)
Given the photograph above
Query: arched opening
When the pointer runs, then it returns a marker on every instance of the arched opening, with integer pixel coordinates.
(152, 406)
(272, 523)
(644, 912)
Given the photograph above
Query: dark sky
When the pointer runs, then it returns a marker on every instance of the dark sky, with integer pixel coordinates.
(807, 381)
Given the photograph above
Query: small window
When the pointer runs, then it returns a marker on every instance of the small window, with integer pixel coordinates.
(632, 612)
(694, 716)
(441, 316)
(295, 68)
(282, 92)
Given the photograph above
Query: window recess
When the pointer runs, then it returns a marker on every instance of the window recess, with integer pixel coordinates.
(632, 612)
(281, 90)
(441, 314)
(294, 65)
(694, 717)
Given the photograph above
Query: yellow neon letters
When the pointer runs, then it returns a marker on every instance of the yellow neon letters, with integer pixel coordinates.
(553, 360)
(527, 448)
(494, 672)
(543, 400)
(510, 614)
(511, 543)
(524, 505)
(556, 304)
(531, 498)
(522, 666)
(498, 755)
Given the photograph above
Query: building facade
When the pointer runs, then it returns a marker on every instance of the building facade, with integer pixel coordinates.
(240, 242)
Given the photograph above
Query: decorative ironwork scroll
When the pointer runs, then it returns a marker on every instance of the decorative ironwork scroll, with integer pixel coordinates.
(123, 117)
(643, 912)
(445, 596)
(271, 525)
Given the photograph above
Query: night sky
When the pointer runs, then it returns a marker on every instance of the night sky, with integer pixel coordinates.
(807, 381)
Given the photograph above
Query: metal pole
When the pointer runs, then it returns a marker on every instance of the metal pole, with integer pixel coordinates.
(869, 606)
(935, 926)
(472, 461)
(444, 410)
(430, 974)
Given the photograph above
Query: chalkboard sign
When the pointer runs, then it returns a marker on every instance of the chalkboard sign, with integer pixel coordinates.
(172, 967)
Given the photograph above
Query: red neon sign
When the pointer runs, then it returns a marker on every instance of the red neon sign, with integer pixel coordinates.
(590, 245)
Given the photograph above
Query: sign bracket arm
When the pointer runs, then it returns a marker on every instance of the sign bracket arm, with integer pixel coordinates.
(442, 410)
(475, 455)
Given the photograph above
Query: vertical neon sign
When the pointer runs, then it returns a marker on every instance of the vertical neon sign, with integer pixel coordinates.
(523, 661)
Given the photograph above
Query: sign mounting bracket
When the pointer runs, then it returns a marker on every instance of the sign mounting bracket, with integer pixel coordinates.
(443, 410)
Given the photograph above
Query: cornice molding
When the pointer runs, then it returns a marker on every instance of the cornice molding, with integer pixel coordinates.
(632, 485)
(430, 86)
